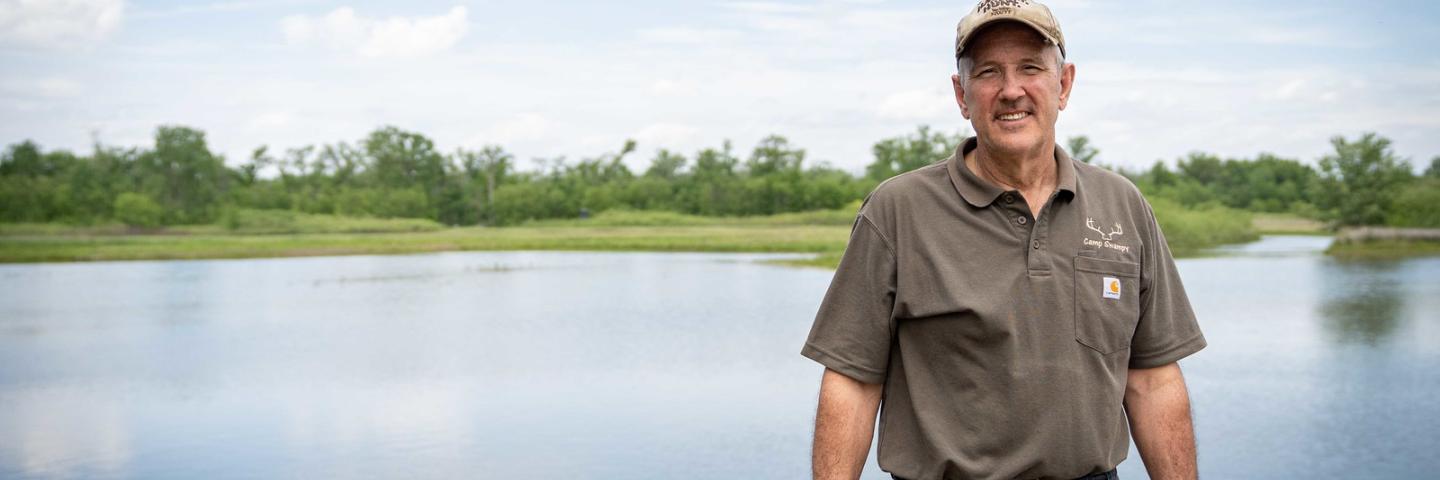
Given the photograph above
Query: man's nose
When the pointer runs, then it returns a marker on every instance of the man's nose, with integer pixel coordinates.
(1012, 89)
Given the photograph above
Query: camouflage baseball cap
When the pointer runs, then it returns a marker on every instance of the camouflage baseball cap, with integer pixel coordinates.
(1030, 13)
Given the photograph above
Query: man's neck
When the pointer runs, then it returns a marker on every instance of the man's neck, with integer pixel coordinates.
(1033, 173)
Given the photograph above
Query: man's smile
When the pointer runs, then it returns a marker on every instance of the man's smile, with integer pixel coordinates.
(1012, 116)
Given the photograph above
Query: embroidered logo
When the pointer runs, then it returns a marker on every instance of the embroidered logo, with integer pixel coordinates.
(1105, 237)
(1000, 7)
(1090, 223)
(1111, 289)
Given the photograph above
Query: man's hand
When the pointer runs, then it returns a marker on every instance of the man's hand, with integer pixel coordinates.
(844, 423)
(1158, 406)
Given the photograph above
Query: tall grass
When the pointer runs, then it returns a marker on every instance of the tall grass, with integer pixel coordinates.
(1189, 230)
(844, 216)
(254, 234)
(247, 221)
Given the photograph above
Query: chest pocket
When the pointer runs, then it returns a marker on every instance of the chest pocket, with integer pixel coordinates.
(1107, 303)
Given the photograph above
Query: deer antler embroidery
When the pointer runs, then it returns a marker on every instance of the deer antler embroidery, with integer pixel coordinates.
(1090, 223)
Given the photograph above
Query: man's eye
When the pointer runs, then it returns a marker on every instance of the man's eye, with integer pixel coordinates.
(1032, 68)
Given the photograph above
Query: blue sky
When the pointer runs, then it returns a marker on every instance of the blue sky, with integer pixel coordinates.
(1155, 79)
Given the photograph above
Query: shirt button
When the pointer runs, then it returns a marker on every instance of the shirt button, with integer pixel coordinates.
(1035, 244)
(1022, 220)
(1009, 198)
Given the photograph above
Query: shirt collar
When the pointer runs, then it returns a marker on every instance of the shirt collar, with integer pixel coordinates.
(981, 193)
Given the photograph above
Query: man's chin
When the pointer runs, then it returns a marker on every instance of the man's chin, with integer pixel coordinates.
(1013, 143)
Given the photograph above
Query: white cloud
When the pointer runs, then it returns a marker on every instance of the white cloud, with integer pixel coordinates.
(344, 30)
(201, 8)
(50, 87)
(58, 24)
(689, 35)
(668, 135)
(271, 121)
(769, 7)
(673, 88)
(924, 105)
(527, 127)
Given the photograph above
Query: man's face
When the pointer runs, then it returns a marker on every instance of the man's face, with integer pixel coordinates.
(1014, 90)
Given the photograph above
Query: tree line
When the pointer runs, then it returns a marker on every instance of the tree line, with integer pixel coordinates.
(394, 173)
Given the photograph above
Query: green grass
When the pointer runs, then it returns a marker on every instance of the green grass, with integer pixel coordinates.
(1383, 249)
(267, 234)
(827, 260)
(844, 216)
(239, 222)
(268, 222)
(61, 229)
(797, 238)
(1287, 224)
(1191, 230)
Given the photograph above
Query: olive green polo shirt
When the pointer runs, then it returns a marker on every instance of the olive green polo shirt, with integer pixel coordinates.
(1003, 339)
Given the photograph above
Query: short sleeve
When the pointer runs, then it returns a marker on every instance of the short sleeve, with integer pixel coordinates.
(1167, 331)
(852, 330)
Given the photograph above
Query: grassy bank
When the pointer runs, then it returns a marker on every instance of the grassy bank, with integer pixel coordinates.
(1287, 224)
(795, 238)
(268, 234)
(1385, 243)
(1383, 250)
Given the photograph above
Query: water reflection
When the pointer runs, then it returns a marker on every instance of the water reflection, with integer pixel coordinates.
(1364, 301)
(63, 433)
(617, 365)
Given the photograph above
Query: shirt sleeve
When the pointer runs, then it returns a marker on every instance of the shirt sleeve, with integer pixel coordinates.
(1168, 330)
(853, 329)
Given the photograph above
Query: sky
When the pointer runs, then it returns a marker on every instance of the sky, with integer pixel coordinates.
(1155, 80)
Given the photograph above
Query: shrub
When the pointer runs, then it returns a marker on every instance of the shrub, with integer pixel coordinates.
(1416, 205)
(1189, 229)
(251, 221)
(138, 210)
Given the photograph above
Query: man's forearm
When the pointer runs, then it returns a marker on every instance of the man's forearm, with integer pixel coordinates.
(1158, 405)
(844, 423)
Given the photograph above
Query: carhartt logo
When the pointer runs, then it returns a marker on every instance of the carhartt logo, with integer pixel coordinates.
(1111, 289)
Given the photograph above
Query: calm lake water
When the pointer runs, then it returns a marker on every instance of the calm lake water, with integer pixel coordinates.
(624, 365)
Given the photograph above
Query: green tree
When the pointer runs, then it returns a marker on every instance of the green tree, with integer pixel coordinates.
(1417, 205)
(1433, 171)
(666, 165)
(1160, 176)
(774, 155)
(1360, 179)
(25, 159)
(485, 169)
(1080, 148)
(712, 186)
(1203, 168)
(401, 160)
(188, 181)
(901, 154)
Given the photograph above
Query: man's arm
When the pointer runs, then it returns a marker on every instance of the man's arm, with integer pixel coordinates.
(844, 423)
(1158, 406)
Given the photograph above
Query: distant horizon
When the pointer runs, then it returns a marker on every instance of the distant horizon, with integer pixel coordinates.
(1156, 80)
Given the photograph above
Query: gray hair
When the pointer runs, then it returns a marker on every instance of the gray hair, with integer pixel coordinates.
(964, 63)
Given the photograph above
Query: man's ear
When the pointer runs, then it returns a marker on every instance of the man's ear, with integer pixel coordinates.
(960, 95)
(1067, 81)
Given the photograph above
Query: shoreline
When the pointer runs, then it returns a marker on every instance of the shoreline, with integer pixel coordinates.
(42, 243)
(817, 239)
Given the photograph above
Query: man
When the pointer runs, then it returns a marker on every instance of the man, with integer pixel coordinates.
(1011, 306)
